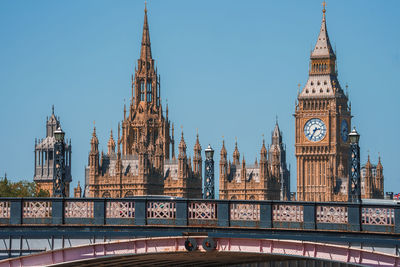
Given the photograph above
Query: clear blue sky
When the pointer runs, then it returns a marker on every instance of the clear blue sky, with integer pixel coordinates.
(227, 68)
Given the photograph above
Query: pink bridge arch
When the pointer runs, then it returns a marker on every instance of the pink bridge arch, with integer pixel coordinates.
(226, 249)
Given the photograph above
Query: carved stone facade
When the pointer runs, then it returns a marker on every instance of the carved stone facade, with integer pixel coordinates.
(267, 180)
(144, 166)
(44, 158)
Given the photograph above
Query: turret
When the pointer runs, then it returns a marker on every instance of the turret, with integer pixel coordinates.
(78, 191)
(263, 162)
(111, 145)
(379, 180)
(52, 123)
(197, 160)
(236, 155)
(94, 154)
(182, 167)
(368, 188)
(223, 172)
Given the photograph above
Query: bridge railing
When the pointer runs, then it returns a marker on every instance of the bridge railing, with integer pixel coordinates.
(199, 212)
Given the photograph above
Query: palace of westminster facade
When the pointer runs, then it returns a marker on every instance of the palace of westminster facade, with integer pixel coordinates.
(142, 160)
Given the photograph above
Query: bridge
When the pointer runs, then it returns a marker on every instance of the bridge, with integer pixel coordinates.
(164, 232)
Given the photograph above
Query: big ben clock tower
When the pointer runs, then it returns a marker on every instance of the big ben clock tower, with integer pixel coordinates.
(323, 120)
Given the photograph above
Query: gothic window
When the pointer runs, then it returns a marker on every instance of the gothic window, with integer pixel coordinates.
(141, 90)
(148, 91)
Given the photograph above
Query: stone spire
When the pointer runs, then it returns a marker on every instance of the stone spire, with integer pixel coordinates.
(94, 155)
(379, 180)
(323, 47)
(197, 147)
(111, 144)
(276, 135)
(145, 51)
(94, 141)
(197, 161)
(52, 123)
(322, 81)
(368, 190)
(236, 155)
(263, 153)
(182, 147)
(223, 151)
(78, 191)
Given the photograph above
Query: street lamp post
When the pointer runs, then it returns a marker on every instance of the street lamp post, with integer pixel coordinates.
(59, 164)
(354, 168)
(209, 174)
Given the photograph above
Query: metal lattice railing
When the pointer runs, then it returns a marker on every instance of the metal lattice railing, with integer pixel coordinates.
(4, 209)
(161, 210)
(202, 210)
(120, 209)
(377, 216)
(332, 214)
(245, 212)
(37, 209)
(287, 213)
(79, 209)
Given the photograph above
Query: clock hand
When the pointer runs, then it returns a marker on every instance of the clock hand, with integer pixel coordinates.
(313, 132)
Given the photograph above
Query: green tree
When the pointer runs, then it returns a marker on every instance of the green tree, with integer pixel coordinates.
(20, 189)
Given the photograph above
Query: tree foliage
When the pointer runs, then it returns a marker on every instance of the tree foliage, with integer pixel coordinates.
(21, 189)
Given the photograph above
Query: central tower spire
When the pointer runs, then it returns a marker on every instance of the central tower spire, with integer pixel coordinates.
(145, 51)
(145, 121)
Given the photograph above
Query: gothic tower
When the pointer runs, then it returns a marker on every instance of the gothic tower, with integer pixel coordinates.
(323, 118)
(145, 121)
(44, 155)
(142, 160)
(277, 156)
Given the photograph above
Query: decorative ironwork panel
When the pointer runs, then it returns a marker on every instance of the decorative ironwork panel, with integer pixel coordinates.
(245, 212)
(4, 209)
(287, 213)
(79, 209)
(120, 209)
(332, 214)
(37, 209)
(377, 216)
(203, 211)
(161, 210)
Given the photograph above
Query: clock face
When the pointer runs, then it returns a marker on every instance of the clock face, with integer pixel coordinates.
(315, 130)
(344, 130)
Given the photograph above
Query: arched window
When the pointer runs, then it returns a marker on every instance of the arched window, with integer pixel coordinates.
(148, 91)
(141, 90)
